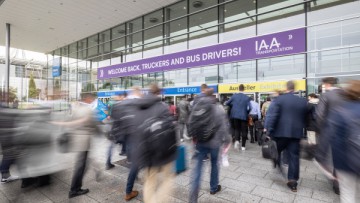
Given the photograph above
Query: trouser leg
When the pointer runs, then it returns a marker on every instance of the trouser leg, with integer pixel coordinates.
(244, 132)
(79, 171)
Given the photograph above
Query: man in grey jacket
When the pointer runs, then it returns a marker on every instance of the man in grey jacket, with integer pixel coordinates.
(212, 147)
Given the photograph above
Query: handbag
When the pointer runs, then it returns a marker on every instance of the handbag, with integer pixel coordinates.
(269, 150)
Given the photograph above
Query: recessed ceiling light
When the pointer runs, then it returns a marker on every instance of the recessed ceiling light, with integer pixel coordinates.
(51, 28)
(61, 3)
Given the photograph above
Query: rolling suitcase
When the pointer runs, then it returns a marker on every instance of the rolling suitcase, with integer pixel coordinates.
(180, 163)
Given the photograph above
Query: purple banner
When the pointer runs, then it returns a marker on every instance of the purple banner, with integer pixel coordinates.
(282, 43)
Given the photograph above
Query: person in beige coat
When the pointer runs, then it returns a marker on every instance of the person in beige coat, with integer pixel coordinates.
(83, 126)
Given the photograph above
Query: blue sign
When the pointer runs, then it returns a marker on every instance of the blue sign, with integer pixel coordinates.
(113, 93)
(187, 90)
(56, 68)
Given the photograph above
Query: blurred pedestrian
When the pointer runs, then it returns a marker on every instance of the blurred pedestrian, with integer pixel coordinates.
(240, 108)
(156, 146)
(254, 116)
(183, 111)
(345, 142)
(285, 126)
(265, 106)
(84, 126)
(329, 101)
(123, 131)
(209, 144)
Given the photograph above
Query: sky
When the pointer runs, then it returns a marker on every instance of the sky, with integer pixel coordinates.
(29, 55)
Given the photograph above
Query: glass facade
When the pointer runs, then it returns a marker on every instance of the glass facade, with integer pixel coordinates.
(333, 44)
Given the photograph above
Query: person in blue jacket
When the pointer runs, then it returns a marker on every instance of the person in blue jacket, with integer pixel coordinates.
(240, 108)
(285, 125)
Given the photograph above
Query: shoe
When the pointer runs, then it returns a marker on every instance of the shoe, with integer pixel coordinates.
(109, 166)
(131, 195)
(336, 187)
(218, 189)
(78, 193)
(242, 148)
(122, 154)
(236, 145)
(9, 179)
(292, 185)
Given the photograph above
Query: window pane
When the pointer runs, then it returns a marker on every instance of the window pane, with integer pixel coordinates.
(118, 44)
(104, 48)
(131, 81)
(104, 36)
(204, 19)
(82, 44)
(208, 75)
(93, 41)
(238, 30)
(65, 51)
(238, 10)
(265, 6)
(154, 18)
(203, 38)
(285, 19)
(196, 5)
(118, 83)
(237, 72)
(134, 40)
(176, 44)
(176, 78)
(116, 58)
(153, 49)
(178, 27)
(118, 31)
(134, 25)
(289, 67)
(177, 10)
(153, 34)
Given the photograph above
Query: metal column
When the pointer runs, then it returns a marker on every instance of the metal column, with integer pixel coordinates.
(7, 62)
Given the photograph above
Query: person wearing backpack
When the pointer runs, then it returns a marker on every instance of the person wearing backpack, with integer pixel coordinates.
(344, 134)
(156, 145)
(207, 125)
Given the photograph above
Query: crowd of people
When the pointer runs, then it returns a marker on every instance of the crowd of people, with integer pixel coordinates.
(150, 132)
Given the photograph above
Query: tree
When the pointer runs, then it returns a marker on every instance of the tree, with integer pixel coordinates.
(13, 94)
(89, 87)
(33, 92)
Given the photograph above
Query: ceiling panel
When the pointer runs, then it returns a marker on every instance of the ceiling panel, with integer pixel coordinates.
(44, 25)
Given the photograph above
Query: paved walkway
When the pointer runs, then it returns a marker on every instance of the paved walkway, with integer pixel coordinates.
(249, 178)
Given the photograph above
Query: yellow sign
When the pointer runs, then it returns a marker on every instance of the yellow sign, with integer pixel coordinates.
(300, 85)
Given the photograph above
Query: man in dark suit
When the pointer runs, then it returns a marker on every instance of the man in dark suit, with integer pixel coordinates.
(285, 126)
(240, 108)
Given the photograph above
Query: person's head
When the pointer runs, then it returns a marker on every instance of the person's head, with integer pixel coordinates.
(268, 98)
(87, 98)
(290, 86)
(209, 91)
(171, 103)
(184, 97)
(312, 96)
(329, 82)
(241, 87)
(203, 88)
(136, 91)
(154, 89)
(352, 91)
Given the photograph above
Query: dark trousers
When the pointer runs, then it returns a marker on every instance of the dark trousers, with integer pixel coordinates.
(5, 166)
(241, 129)
(292, 146)
(131, 178)
(79, 171)
(252, 128)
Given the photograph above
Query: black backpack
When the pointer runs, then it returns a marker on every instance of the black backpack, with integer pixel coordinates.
(159, 137)
(201, 123)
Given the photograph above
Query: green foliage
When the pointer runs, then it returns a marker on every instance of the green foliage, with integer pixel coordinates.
(33, 92)
(89, 87)
(13, 94)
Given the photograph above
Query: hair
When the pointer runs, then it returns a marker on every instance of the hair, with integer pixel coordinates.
(313, 95)
(290, 85)
(154, 89)
(352, 91)
(241, 87)
(268, 98)
(330, 80)
(204, 86)
(209, 91)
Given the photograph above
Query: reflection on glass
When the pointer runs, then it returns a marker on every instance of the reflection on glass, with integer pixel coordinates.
(203, 20)
(153, 18)
(196, 5)
(118, 31)
(175, 78)
(208, 75)
(153, 34)
(134, 25)
(290, 67)
(176, 10)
